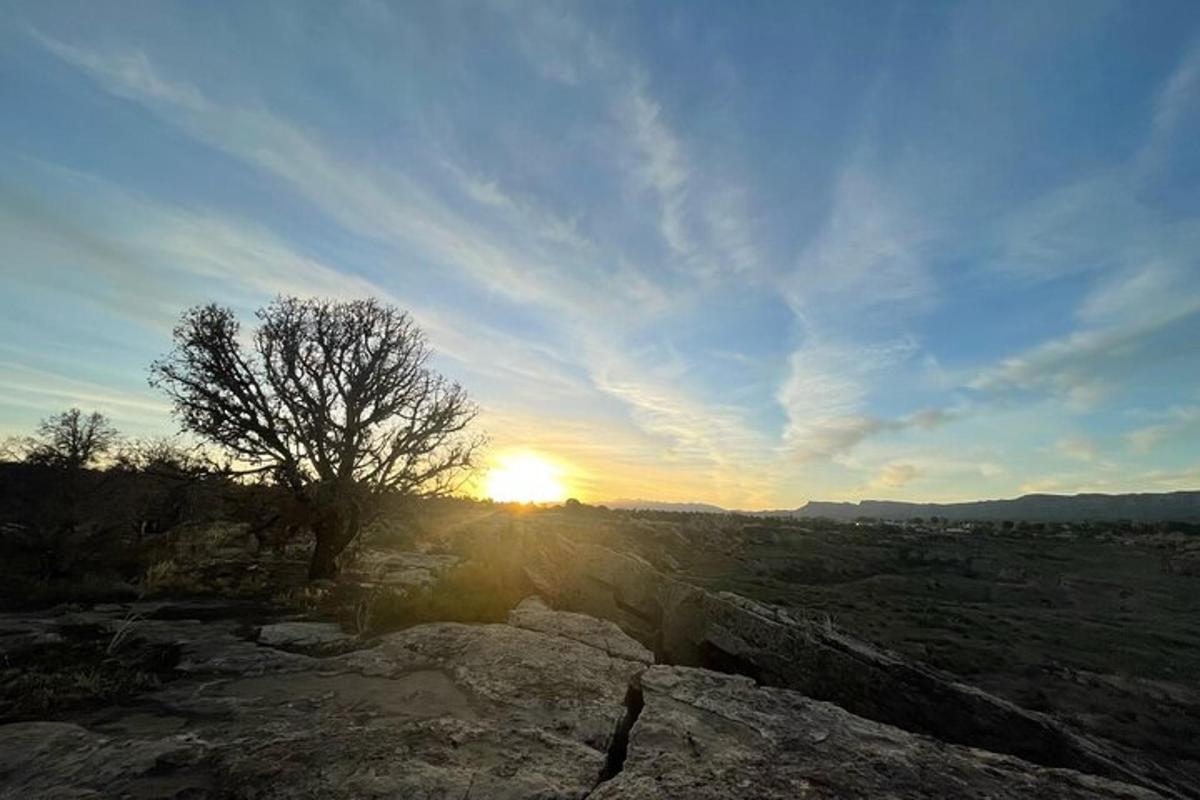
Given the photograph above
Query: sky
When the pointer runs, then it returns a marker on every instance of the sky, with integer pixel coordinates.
(746, 254)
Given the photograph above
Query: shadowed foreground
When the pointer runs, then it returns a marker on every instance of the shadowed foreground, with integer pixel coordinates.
(570, 652)
(551, 704)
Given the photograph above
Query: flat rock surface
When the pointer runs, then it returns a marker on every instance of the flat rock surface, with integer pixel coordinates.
(438, 710)
(703, 734)
(533, 614)
(63, 760)
(547, 706)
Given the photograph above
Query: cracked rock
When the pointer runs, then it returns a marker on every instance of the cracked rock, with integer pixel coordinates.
(705, 734)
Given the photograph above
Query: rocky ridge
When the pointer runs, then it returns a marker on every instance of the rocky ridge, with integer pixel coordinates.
(551, 705)
(686, 625)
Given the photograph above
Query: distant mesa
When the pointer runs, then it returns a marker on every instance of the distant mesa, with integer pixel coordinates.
(1148, 507)
(1163, 507)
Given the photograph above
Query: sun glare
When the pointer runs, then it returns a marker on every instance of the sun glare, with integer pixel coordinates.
(525, 478)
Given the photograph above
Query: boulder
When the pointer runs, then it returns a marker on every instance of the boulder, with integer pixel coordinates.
(409, 572)
(302, 635)
(704, 734)
(594, 580)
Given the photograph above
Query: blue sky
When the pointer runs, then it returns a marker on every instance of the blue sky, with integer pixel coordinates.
(745, 254)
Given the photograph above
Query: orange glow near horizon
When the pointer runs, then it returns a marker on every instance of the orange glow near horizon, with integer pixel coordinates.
(525, 477)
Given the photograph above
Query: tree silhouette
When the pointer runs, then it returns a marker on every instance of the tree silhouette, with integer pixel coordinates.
(71, 440)
(334, 401)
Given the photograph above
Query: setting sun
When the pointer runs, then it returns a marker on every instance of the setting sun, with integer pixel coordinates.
(525, 478)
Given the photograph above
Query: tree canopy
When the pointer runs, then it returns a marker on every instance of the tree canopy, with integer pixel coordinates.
(71, 439)
(334, 400)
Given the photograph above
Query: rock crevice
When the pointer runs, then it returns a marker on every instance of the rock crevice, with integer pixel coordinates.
(706, 735)
(618, 749)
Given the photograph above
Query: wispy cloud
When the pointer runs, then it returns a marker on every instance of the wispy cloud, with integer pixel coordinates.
(1077, 448)
(894, 476)
(1152, 480)
(376, 202)
(714, 440)
(43, 392)
(1176, 99)
(1171, 423)
(1080, 368)
(868, 256)
(393, 208)
(825, 397)
(1143, 440)
(741, 269)
(147, 261)
(660, 165)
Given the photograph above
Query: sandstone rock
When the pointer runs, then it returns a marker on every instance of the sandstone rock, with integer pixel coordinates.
(533, 614)
(214, 649)
(435, 711)
(441, 710)
(18, 635)
(690, 626)
(408, 571)
(301, 635)
(539, 680)
(542, 708)
(62, 760)
(823, 662)
(703, 734)
(584, 577)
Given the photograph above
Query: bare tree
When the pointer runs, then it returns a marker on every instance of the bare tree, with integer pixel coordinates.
(335, 401)
(12, 448)
(68, 442)
(71, 439)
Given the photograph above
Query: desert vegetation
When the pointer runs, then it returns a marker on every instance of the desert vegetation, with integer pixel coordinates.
(334, 403)
(323, 421)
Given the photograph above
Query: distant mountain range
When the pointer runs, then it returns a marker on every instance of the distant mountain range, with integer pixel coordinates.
(1160, 507)
(655, 505)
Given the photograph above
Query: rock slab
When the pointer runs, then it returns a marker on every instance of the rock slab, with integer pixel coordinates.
(705, 735)
(690, 626)
(443, 710)
(533, 614)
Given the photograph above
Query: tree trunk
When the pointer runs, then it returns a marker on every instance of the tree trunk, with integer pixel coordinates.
(333, 534)
(324, 558)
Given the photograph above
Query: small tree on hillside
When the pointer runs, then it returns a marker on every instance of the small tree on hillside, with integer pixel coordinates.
(71, 440)
(334, 401)
(59, 508)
